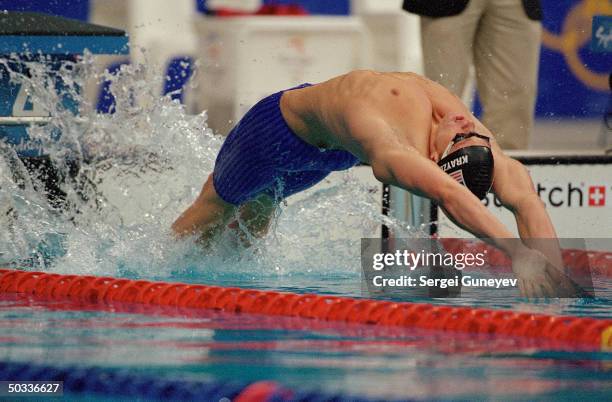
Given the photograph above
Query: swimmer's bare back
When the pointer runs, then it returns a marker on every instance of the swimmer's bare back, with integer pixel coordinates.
(320, 114)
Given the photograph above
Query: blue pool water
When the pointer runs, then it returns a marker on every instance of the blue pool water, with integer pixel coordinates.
(354, 359)
(146, 164)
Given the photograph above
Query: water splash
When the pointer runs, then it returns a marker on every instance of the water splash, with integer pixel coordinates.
(139, 168)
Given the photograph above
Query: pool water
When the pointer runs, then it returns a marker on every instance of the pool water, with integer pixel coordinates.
(298, 353)
(145, 164)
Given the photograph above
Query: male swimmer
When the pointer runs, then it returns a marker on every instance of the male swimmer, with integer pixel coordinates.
(414, 134)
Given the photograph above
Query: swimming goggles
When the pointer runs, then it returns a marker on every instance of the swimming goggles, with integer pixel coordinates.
(464, 136)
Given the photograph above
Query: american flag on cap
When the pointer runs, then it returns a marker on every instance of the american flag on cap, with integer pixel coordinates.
(458, 175)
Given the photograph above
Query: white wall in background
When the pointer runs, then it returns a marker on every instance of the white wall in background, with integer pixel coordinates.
(244, 59)
(243, 5)
(375, 6)
(396, 35)
(163, 28)
(159, 30)
(111, 13)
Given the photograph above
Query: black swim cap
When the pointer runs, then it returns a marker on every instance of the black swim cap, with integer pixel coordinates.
(471, 166)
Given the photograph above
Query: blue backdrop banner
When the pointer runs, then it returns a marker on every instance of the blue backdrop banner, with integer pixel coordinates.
(574, 80)
(77, 9)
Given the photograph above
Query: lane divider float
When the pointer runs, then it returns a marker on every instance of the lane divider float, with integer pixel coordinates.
(583, 331)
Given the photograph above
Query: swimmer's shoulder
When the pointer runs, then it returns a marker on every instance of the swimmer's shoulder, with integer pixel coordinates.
(351, 80)
(343, 90)
(361, 77)
(439, 97)
(364, 84)
(362, 74)
(376, 90)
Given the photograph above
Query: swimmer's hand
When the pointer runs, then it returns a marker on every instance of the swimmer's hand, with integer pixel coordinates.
(537, 277)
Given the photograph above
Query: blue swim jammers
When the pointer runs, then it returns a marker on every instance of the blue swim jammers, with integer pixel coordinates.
(261, 155)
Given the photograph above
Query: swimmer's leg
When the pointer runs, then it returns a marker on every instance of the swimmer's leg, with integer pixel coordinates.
(255, 217)
(207, 216)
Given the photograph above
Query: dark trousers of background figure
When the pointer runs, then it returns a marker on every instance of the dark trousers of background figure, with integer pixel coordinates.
(503, 44)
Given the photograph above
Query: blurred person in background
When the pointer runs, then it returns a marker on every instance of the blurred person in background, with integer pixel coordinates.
(501, 38)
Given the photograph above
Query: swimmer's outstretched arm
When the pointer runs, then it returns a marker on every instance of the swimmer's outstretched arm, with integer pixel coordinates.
(411, 171)
(514, 188)
(407, 169)
(396, 163)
